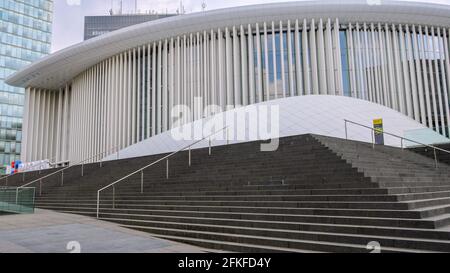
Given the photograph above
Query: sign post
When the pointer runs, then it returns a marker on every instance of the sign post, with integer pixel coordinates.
(378, 131)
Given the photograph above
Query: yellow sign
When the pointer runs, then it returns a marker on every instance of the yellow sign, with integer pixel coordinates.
(378, 121)
(379, 131)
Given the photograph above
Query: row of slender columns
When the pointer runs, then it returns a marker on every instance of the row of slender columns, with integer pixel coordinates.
(46, 125)
(129, 97)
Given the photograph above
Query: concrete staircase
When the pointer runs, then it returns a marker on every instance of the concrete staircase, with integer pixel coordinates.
(315, 194)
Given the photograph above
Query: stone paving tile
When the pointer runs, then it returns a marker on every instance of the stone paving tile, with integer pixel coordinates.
(50, 232)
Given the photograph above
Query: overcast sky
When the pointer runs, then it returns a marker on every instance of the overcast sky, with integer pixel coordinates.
(68, 19)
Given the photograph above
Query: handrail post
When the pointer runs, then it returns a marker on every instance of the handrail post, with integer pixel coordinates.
(210, 146)
(23, 177)
(142, 182)
(373, 139)
(346, 130)
(114, 197)
(82, 169)
(17, 196)
(98, 204)
(167, 169)
(6, 182)
(436, 159)
(402, 144)
(190, 157)
(62, 178)
(40, 187)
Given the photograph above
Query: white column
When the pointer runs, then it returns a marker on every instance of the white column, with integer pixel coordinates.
(66, 124)
(391, 69)
(26, 122)
(412, 75)
(447, 65)
(422, 42)
(229, 67)
(266, 65)
(367, 59)
(352, 65)
(178, 69)
(251, 65)
(213, 51)
(429, 46)
(197, 88)
(165, 90)
(171, 84)
(361, 69)
(323, 88)
(298, 61)
(236, 68)
(206, 76)
(138, 97)
(185, 75)
(283, 65)
(313, 47)
(375, 63)
(290, 61)
(329, 57)
(406, 74)
(154, 80)
(191, 70)
(259, 87)
(222, 80)
(398, 72)
(420, 94)
(159, 90)
(438, 85)
(244, 66)
(306, 59)
(275, 61)
(133, 100)
(383, 67)
(337, 61)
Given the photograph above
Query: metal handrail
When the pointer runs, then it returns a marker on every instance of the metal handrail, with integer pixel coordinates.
(25, 170)
(141, 170)
(82, 163)
(397, 136)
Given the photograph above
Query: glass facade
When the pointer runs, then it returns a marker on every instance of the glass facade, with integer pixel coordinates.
(25, 31)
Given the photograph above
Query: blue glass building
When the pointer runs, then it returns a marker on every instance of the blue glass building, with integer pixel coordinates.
(25, 31)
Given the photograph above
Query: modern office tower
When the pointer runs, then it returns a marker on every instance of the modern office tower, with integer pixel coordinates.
(25, 28)
(98, 25)
(119, 90)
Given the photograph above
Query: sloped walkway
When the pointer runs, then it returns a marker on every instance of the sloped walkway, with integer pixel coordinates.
(52, 232)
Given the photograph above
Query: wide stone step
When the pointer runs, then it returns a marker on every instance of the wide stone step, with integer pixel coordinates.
(136, 197)
(291, 212)
(325, 237)
(277, 221)
(269, 241)
(289, 204)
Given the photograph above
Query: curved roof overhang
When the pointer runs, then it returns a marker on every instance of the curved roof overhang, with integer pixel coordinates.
(58, 69)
